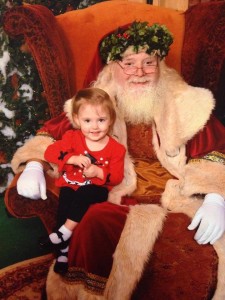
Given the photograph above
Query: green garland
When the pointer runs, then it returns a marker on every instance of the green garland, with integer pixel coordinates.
(156, 38)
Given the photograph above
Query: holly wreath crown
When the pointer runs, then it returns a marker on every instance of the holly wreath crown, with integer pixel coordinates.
(156, 39)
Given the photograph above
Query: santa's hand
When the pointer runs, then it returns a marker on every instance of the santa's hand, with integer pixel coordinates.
(211, 217)
(31, 183)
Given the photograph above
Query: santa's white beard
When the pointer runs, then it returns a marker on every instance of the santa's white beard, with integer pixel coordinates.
(137, 105)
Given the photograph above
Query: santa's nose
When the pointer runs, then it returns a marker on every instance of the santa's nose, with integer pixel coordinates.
(140, 72)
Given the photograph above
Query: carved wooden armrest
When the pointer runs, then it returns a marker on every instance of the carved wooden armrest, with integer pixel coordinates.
(21, 207)
(39, 28)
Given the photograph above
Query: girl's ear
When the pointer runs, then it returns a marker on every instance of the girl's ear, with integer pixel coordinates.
(76, 120)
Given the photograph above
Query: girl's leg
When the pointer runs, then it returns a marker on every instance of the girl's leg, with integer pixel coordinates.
(84, 197)
(62, 234)
(77, 203)
(66, 198)
(72, 207)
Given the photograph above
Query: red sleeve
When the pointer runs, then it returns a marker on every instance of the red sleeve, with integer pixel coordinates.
(113, 173)
(60, 151)
(116, 167)
(211, 138)
(56, 127)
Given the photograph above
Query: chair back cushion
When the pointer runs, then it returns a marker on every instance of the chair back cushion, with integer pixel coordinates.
(64, 46)
(81, 31)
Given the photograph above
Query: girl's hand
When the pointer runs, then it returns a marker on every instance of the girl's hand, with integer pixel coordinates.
(79, 160)
(93, 171)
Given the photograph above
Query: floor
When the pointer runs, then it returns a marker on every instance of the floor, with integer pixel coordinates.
(18, 238)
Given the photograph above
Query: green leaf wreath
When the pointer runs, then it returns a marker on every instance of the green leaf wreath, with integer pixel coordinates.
(156, 38)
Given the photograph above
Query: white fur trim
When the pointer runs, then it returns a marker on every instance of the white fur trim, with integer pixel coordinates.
(33, 148)
(127, 186)
(204, 177)
(174, 163)
(141, 230)
(68, 111)
(182, 110)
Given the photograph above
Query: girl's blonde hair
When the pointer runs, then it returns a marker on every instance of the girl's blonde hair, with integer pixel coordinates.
(94, 96)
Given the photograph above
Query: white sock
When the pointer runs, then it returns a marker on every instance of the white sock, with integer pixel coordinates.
(66, 235)
(63, 258)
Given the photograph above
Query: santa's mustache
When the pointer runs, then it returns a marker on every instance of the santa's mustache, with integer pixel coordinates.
(139, 79)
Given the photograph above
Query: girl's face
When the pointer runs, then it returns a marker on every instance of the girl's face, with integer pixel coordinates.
(94, 121)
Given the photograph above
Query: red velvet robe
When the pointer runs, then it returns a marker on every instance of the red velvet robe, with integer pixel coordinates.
(95, 238)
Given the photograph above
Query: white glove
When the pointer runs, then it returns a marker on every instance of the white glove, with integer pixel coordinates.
(211, 217)
(31, 183)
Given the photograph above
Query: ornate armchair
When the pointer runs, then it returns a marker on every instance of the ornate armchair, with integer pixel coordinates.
(63, 48)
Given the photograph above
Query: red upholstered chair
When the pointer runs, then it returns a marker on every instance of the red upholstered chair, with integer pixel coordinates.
(63, 48)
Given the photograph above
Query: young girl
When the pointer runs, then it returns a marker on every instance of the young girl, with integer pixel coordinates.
(90, 162)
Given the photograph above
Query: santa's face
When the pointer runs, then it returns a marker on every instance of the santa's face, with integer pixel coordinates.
(136, 71)
(136, 80)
